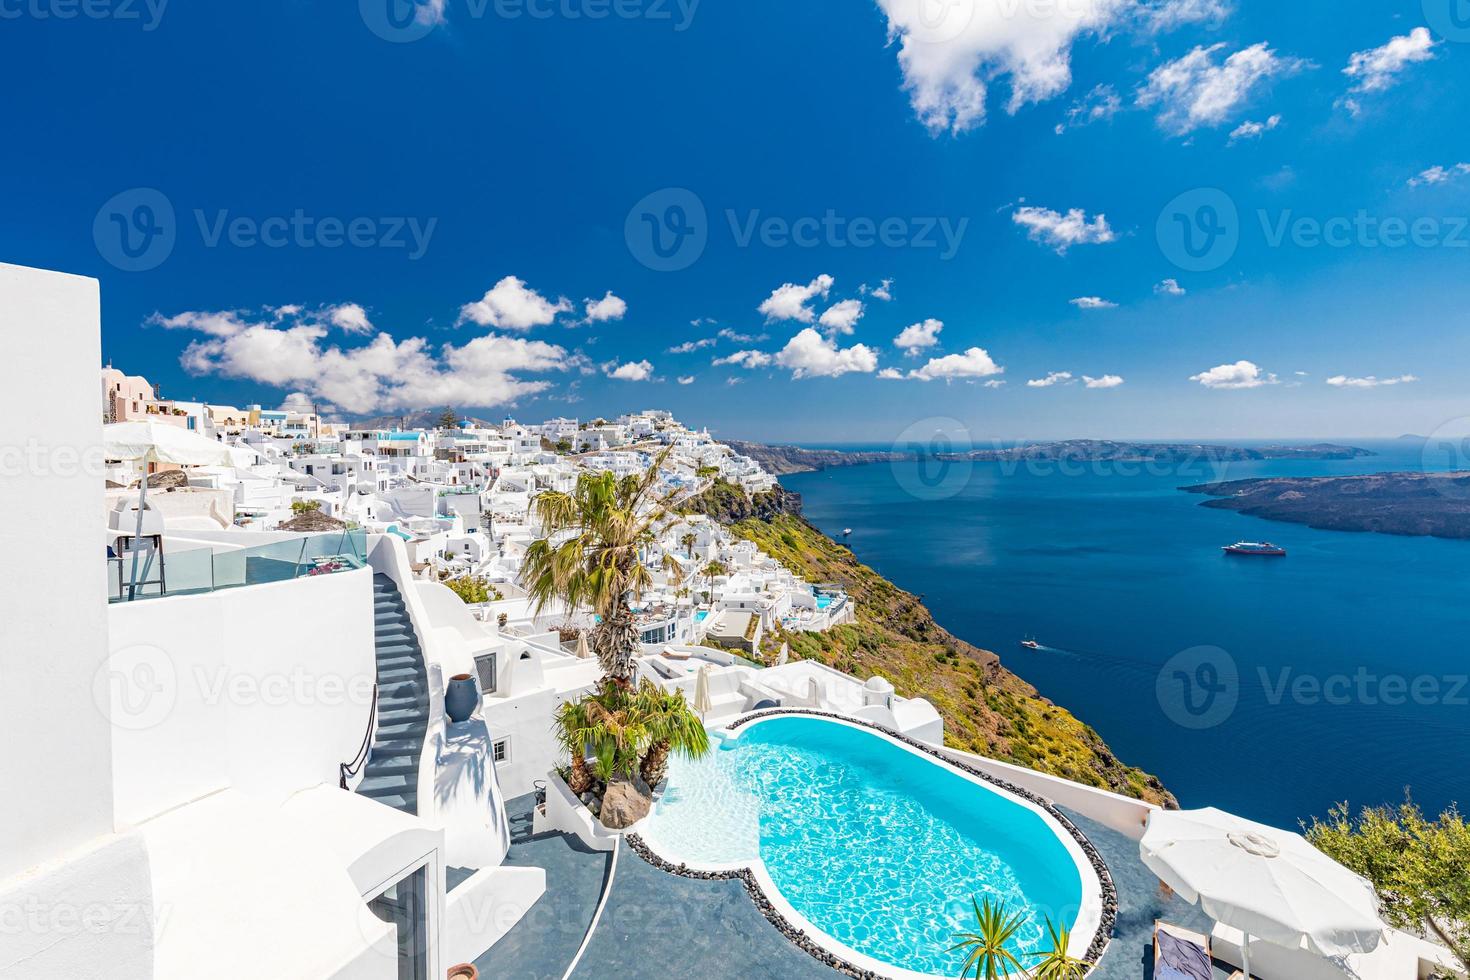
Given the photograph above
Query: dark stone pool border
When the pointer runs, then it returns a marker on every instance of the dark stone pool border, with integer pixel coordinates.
(1106, 923)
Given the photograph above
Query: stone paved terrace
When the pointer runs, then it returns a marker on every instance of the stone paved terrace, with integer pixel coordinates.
(659, 923)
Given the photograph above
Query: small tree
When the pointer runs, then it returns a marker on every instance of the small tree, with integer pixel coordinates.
(987, 951)
(448, 420)
(713, 571)
(1056, 963)
(470, 589)
(305, 506)
(563, 446)
(1418, 867)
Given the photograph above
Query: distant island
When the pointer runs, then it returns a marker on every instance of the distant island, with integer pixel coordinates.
(782, 460)
(1423, 504)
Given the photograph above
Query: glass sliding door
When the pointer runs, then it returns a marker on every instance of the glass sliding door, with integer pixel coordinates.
(405, 905)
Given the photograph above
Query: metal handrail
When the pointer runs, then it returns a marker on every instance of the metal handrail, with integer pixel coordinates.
(347, 770)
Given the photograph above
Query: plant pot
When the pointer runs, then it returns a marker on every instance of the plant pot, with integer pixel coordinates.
(464, 971)
(461, 697)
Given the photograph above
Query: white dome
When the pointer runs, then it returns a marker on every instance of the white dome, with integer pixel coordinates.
(878, 685)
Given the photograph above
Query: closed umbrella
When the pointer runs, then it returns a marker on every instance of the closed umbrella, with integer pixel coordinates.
(582, 652)
(785, 654)
(150, 442)
(702, 702)
(1268, 883)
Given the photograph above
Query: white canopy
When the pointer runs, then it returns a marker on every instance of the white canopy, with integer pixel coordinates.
(1268, 883)
(702, 701)
(154, 442)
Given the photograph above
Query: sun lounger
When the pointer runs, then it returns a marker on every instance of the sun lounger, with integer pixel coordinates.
(1180, 954)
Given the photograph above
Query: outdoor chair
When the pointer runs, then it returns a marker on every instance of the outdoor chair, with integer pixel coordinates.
(1180, 954)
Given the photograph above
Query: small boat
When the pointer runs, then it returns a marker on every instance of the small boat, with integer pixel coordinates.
(1030, 643)
(1255, 549)
(847, 532)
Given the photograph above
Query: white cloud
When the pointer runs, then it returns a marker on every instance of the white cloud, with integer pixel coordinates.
(810, 355)
(383, 375)
(883, 291)
(741, 338)
(744, 358)
(690, 346)
(1378, 69)
(610, 307)
(1169, 287)
(1342, 381)
(842, 317)
(299, 402)
(1251, 130)
(1051, 380)
(1241, 374)
(949, 52)
(891, 374)
(1098, 105)
(1092, 303)
(1195, 91)
(1439, 175)
(349, 317)
(512, 305)
(1106, 381)
(916, 337)
(686, 379)
(1062, 231)
(792, 302)
(631, 371)
(973, 363)
(1166, 15)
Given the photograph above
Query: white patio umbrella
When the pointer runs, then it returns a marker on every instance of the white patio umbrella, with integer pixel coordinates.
(702, 702)
(785, 654)
(583, 653)
(152, 442)
(1268, 883)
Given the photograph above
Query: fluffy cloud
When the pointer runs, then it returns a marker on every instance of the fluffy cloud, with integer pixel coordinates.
(1170, 14)
(792, 302)
(690, 346)
(973, 363)
(299, 402)
(631, 371)
(1196, 91)
(291, 351)
(1439, 175)
(1100, 104)
(741, 338)
(916, 337)
(512, 305)
(810, 355)
(891, 374)
(744, 358)
(349, 317)
(1342, 381)
(1379, 68)
(610, 307)
(686, 379)
(1241, 374)
(1106, 381)
(883, 291)
(1092, 303)
(949, 52)
(1051, 380)
(1062, 231)
(842, 317)
(1169, 287)
(1251, 130)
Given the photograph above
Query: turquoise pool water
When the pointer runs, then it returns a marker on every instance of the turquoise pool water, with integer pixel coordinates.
(823, 601)
(875, 845)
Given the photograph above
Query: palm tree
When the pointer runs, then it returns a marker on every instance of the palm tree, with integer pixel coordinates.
(687, 540)
(621, 730)
(574, 728)
(987, 955)
(674, 727)
(713, 570)
(593, 556)
(1055, 963)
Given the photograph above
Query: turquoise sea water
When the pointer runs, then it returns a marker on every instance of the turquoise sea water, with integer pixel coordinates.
(876, 846)
(1269, 687)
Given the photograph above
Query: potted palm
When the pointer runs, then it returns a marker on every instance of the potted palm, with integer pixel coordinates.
(987, 950)
(1056, 963)
(673, 727)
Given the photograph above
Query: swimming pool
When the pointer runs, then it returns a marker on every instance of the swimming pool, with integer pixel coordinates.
(875, 844)
(823, 601)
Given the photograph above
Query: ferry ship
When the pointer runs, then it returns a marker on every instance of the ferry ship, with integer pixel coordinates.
(1256, 549)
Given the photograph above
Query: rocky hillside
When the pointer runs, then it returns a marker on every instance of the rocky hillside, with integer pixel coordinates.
(987, 709)
(782, 460)
(1434, 504)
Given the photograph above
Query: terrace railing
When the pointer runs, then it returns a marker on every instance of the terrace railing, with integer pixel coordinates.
(197, 571)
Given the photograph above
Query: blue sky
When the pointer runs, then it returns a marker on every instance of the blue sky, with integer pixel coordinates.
(320, 201)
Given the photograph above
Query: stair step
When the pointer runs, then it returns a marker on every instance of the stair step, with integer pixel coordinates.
(399, 660)
(397, 636)
(397, 675)
(375, 785)
(394, 651)
(397, 765)
(388, 747)
(402, 728)
(398, 801)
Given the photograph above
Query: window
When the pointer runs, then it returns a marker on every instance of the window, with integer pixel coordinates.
(500, 750)
(485, 667)
(404, 904)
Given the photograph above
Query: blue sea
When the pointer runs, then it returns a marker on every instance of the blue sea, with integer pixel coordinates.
(1269, 687)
